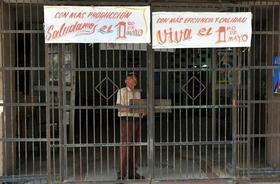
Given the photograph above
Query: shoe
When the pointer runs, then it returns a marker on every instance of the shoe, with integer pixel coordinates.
(136, 176)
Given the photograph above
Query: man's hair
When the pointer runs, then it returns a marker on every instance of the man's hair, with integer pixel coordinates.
(131, 74)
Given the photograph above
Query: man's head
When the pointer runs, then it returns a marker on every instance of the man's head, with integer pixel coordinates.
(131, 80)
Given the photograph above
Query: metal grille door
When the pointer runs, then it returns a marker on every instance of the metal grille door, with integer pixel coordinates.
(83, 84)
(208, 113)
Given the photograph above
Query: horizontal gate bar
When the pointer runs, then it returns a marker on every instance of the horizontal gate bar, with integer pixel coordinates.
(22, 178)
(24, 31)
(258, 135)
(197, 143)
(27, 139)
(68, 107)
(87, 145)
(145, 144)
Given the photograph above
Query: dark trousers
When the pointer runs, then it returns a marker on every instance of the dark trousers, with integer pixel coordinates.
(130, 132)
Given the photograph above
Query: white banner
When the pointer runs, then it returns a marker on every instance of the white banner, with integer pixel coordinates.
(103, 24)
(201, 29)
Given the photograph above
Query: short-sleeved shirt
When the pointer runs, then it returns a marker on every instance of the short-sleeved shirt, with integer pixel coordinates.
(123, 97)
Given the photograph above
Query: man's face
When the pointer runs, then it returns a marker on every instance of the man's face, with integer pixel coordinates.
(131, 82)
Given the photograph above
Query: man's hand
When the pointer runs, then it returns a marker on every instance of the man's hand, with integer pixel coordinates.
(143, 114)
(123, 109)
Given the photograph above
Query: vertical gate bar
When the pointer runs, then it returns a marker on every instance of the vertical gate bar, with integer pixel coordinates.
(25, 84)
(199, 110)
(127, 65)
(218, 137)
(168, 122)
(174, 115)
(134, 70)
(278, 51)
(64, 107)
(61, 109)
(193, 110)
(253, 82)
(4, 84)
(206, 111)
(72, 129)
(180, 110)
(107, 119)
(17, 89)
(225, 102)
(72, 126)
(3, 72)
(241, 96)
(47, 69)
(227, 119)
(151, 115)
(139, 79)
(49, 94)
(260, 90)
(100, 112)
(266, 61)
(234, 117)
(186, 111)
(87, 109)
(238, 145)
(114, 112)
(94, 109)
(141, 120)
(65, 51)
(2, 55)
(80, 112)
(160, 115)
(119, 84)
(249, 106)
(31, 89)
(214, 77)
(37, 36)
(11, 87)
(72, 132)
(52, 50)
(272, 53)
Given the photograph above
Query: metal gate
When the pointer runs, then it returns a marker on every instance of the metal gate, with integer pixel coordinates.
(211, 113)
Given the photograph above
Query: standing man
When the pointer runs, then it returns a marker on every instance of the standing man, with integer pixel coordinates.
(129, 129)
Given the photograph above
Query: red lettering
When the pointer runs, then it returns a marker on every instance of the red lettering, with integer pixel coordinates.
(204, 31)
(187, 34)
(162, 20)
(159, 37)
(78, 28)
(173, 36)
(49, 34)
(245, 37)
(77, 15)
(177, 40)
(121, 30)
(61, 15)
(221, 34)
(106, 29)
(56, 15)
